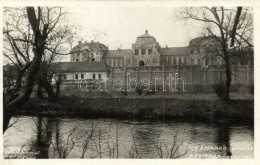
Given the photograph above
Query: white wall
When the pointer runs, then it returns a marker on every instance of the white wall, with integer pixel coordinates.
(87, 75)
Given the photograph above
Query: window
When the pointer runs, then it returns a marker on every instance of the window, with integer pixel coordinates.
(114, 62)
(82, 76)
(148, 61)
(99, 75)
(64, 76)
(77, 60)
(192, 51)
(169, 61)
(136, 51)
(143, 51)
(76, 76)
(93, 59)
(184, 60)
(164, 60)
(150, 51)
(174, 61)
(93, 76)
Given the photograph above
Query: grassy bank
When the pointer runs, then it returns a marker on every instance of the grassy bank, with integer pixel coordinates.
(213, 110)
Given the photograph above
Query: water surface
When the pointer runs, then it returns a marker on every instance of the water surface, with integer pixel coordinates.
(38, 137)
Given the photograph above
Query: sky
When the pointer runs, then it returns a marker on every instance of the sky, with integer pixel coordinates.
(119, 26)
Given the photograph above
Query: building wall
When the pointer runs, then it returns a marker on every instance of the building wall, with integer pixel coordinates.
(86, 75)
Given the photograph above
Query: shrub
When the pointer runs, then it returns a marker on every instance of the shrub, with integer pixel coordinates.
(219, 89)
(139, 90)
(152, 92)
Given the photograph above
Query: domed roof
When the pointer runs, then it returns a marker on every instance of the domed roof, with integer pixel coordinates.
(145, 38)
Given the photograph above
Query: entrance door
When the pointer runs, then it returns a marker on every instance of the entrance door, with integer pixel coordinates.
(141, 63)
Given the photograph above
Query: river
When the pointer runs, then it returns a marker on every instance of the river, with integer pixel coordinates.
(41, 137)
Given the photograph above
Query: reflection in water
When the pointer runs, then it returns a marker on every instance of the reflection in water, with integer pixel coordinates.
(42, 142)
(223, 139)
(108, 138)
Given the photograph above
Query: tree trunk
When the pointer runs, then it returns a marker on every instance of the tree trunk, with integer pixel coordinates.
(57, 87)
(39, 91)
(228, 80)
(48, 88)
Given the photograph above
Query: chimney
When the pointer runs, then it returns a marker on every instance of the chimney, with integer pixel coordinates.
(118, 49)
(79, 42)
(146, 31)
(166, 47)
(92, 41)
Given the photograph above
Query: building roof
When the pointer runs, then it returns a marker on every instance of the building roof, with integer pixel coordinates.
(90, 45)
(173, 51)
(94, 66)
(145, 39)
(117, 53)
(146, 35)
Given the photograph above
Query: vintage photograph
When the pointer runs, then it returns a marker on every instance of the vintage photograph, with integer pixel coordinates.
(133, 82)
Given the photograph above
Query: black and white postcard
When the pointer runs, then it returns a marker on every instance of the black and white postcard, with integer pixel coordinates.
(129, 80)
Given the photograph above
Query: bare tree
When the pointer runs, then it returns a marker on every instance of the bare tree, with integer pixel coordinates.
(29, 35)
(232, 29)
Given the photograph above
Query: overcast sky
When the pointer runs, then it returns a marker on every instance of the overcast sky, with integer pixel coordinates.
(122, 25)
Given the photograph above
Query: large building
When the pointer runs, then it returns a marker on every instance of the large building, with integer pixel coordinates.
(93, 60)
(146, 51)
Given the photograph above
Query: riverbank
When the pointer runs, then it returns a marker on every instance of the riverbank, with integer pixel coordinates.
(187, 107)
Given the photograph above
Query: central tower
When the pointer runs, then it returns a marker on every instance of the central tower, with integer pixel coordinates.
(145, 51)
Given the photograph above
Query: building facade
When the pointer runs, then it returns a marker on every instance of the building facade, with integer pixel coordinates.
(93, 60)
